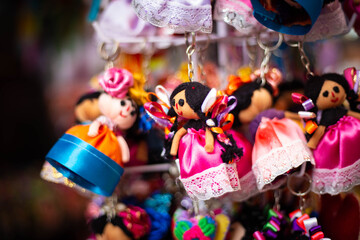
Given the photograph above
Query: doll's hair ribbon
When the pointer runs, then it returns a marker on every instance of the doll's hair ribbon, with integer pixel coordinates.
(234, 83)
(353, 78)
(156, 112)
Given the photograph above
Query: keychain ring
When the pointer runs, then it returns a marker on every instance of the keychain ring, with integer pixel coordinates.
(273, 48)
(114, 53)
(296, 193)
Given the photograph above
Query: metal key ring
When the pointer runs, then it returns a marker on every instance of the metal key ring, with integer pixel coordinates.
(273, 48)
(291, 189)
(106, 56)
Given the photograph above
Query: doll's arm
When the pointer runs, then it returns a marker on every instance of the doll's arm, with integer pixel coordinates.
(314, 140)
(291, 115)
(209, 141)
(94, 128)
(353, 114)
(125, 151)
(176, 141)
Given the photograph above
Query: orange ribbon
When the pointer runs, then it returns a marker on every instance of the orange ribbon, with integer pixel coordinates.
(310, 127)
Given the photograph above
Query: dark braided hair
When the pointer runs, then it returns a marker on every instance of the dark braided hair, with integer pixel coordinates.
(195, 94)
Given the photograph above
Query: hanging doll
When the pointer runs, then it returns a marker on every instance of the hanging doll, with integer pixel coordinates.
(335, 141)
(279, 143)
(118, 109)
(206, 154)
(132, 223)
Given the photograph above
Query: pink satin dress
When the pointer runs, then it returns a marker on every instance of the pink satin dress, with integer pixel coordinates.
(204, 175)
(337, 158)
(279, 147)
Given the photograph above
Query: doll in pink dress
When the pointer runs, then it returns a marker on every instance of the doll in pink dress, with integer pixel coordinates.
(207, 156)
(279, 143)
(335, 142)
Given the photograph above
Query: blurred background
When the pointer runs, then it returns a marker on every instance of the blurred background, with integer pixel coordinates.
(48, 54)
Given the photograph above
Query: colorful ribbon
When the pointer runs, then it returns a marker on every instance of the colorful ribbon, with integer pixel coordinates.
(309, 226)
(353, 78)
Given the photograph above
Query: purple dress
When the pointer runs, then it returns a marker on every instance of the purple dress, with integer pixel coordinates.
(337, 155)
(204, 175)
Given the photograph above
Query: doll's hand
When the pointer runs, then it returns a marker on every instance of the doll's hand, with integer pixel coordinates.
(209, 148)
(94, 129)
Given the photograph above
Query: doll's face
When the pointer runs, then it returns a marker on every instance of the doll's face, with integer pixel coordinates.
(260, 101)
(88, 110)
(112, 232)
(122, 112)
(331, 95)
(182, 108)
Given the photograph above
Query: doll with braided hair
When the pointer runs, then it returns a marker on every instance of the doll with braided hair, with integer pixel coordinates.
(335, 141)
(206, 156)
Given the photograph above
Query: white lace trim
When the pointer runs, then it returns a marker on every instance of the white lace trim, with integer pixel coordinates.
(335, 181)
(280, 160)
(248, 188)
(239, 16)
(172, 14)
(212, 182)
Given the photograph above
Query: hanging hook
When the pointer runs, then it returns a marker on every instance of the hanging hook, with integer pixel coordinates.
(109, 58)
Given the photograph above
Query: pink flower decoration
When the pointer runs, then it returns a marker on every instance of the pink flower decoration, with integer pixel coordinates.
(116, 82)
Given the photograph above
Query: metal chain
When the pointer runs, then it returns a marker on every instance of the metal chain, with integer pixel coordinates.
(190, 51)
(264, 67)
(302, 204)
(304, 59)
(277, 195)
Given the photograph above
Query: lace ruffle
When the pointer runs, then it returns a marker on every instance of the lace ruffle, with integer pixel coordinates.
(212, 182)
(175, 15)
(236, 14)
(280, 160)
(248, 188)
(335, 181)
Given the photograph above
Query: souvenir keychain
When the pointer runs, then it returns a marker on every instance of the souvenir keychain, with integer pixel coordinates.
(334, 142)
(328, 125)
(197, 119)
(279, 143)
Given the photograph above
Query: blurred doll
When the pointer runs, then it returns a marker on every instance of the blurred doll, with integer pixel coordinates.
(87, 107)
(279, 143)
(118, 109)
(335, 141)
(133, 223)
